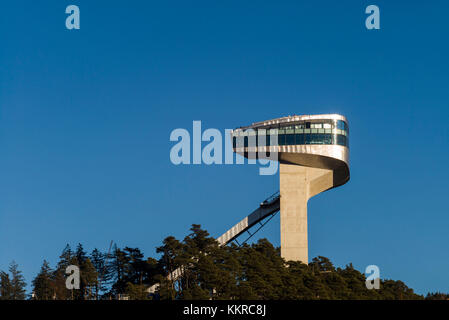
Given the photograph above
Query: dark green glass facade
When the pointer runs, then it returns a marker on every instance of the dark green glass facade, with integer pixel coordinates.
(327, 132)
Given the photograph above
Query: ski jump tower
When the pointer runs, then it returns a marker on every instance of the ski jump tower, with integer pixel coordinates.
(313, 155)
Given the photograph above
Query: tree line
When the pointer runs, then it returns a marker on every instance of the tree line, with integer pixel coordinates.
(208, 271)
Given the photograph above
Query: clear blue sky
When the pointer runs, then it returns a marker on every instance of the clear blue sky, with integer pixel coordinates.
(86, 117)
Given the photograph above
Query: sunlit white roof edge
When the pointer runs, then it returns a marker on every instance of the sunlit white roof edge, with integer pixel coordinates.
(294, 118)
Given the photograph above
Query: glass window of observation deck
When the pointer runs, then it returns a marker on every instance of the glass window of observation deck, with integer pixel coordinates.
(342, 125)
(299, 138)
(290, 139)
(341, 140)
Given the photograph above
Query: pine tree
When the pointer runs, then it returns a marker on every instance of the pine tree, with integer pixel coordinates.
(18, 284)
(80, 254)
(104, 275)
(78, 259)
(43, 284)
(170, 260)
(151, 269)
(137, 291)
(136, 265)
(120, 263)
(66, 259)
(89, 280)
(5, 286)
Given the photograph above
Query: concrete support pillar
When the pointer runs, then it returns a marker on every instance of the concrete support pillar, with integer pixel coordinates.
(297, 185)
